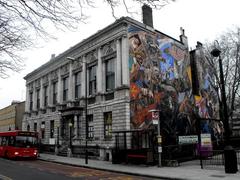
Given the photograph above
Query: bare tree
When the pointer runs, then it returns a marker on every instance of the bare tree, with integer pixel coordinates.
(21, 21)
(230, 53)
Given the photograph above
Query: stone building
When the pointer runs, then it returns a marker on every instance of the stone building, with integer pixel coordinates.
(109, 82)
(55, 98)
(11, 116)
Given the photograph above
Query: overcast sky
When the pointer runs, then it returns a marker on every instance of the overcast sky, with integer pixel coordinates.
(202, 20)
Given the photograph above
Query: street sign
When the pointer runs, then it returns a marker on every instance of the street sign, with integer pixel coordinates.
(159, 138)
(191, 139)
(206, 140)
(155, 115)
(159, 149)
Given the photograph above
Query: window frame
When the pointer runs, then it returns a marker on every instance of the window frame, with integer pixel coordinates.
(92, 82)
(90, 127)
(108, 125)
(78, 84)
(65, 88)
(55, 93)
(110, 74)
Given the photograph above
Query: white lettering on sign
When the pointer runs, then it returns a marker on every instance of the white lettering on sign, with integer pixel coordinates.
(192, 139)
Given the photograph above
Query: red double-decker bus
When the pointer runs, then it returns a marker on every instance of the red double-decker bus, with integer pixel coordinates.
(19, 144)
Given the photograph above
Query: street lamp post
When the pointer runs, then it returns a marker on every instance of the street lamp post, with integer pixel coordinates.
(86, 125)
(70, 136)
(85, 108)
(230, 157)
(156, 120)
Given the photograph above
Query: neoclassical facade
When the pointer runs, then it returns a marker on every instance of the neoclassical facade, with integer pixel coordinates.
(56, 92)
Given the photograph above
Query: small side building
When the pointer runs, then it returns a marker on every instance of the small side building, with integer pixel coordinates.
(11, 116)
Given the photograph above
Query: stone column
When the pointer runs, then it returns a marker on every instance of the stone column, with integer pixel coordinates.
(49, 93)
(118, 66)
(125, 63)
(70, 83)
(84, 73)
(59, 88)
(34, 97)
(27, 103)
(99, 72)
(75, 125)
(41, 94)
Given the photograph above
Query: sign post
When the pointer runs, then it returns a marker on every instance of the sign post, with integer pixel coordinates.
(156, 121)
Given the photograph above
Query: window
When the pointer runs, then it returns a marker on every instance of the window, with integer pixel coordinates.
(92, 80)
(51, 128)
(77, 78)
(43, 129)
(65, 89)
(54, 93)
(90, 127)
(31, 101)
(108, 125)
(38, 98)
(45, 91)
(35, 127)
(110, 75)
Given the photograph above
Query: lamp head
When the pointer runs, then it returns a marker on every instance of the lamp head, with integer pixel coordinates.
(215, 52)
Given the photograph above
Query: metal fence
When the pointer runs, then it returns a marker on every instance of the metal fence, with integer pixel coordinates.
(216, 160)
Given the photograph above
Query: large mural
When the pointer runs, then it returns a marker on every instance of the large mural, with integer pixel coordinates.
(206, 101)
(160, 78)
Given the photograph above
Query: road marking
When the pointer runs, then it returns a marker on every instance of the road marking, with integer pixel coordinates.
(2, 177)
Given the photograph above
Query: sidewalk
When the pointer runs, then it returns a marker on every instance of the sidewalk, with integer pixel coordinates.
(186, 171)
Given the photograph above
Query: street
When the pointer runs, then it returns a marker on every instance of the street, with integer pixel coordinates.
(41, 170)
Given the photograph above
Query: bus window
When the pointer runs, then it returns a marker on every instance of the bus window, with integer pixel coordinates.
(11, 141)
(24, 141)
(4, 141)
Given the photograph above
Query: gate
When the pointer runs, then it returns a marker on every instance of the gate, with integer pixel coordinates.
(134, 146)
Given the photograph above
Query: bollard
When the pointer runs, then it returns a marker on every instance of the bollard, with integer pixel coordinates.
(230, 158)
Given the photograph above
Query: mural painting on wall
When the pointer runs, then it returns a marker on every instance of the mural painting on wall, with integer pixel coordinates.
(160, 78)
(207, 101)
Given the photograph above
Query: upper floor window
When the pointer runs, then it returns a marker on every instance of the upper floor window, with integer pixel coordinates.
(65, 89)
(54, 85)
(45, 91)
(92, 80)
(38, 98)
(31, 101)
(110, 75)
(77, 78)
(35, 127)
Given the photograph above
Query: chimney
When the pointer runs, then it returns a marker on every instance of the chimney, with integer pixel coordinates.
(147, 15)
(53, 56)
(183, 37)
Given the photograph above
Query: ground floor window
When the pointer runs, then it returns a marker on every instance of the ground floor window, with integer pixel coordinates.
(90, 127)
(108, 125)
